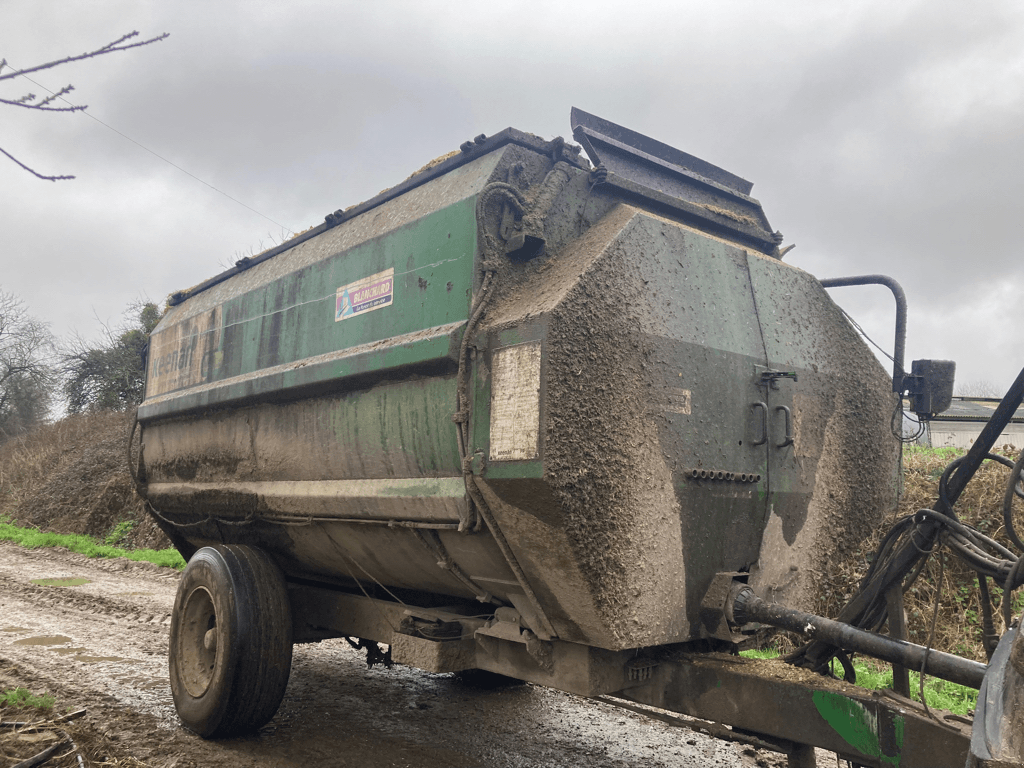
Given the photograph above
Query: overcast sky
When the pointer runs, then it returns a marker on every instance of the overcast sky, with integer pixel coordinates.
(880, 137)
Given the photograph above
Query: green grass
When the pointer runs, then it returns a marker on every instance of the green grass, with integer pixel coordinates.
(32, 538)
(22, 698)
(119, 533)
(940, 694)
(945, 452)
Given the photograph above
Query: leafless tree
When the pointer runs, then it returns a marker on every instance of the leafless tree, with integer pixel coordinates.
(26, 374)
(110, 374)
(977, 388)
(50, 103)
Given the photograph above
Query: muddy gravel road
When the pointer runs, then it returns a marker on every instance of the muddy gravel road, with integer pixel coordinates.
(94, 633)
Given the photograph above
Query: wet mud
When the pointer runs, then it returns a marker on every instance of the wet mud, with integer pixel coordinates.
(105, 650)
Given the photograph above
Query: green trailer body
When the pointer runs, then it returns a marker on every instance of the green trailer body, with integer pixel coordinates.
(530, 415)
(652, 397)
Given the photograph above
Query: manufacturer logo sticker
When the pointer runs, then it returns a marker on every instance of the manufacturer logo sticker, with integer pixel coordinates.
(366, 295)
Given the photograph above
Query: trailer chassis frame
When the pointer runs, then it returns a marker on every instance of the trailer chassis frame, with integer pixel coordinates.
(765, 703)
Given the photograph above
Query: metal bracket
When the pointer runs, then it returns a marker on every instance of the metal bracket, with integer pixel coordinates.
(641, 670)
(541, 651)
(770, 379)
(714, 608)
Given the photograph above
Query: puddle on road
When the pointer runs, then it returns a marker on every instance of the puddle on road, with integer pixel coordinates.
(146, 683)
(69, 581)
(65, 651)
(81, 652)
(15, 629)
(48, 640)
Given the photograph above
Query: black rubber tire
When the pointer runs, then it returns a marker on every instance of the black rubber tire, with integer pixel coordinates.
(230, 651)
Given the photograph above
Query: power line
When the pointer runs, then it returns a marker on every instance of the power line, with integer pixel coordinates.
(161, 157)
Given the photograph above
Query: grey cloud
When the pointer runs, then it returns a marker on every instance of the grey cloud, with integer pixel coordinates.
(880, 138)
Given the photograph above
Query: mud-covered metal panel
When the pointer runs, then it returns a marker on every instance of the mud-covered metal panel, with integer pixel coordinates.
(185, 354)
(650, 349)
(770, 697)
(832, 453)
(705, 347)
(390, 431)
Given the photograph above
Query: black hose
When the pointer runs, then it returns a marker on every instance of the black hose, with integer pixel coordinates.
(1013, 580)
(1012, 490)
(988, 626)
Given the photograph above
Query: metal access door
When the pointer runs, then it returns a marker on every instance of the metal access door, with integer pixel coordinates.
(828, 407)
(705, 347)
(798, 393)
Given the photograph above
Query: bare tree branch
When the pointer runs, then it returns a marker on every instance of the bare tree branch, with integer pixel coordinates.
(28, 101)
(108, 48)
(977, 388)
(58, 95)
(34, 173)
(22, 102)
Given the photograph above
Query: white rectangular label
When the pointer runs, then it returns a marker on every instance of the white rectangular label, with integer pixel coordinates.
(677, 400)
(515, 402)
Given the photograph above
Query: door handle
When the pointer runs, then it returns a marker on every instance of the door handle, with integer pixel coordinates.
(763, 408)
(788, 418)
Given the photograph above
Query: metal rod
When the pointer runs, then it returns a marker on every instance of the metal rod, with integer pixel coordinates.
(802, 756)
(900, 346)
(898, 630)
(748, 607)
(979, 450)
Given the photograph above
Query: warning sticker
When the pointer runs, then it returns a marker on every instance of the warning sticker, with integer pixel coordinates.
(515, 402)
(366, 295)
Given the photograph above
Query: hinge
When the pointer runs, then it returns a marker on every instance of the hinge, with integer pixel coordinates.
(770, 379)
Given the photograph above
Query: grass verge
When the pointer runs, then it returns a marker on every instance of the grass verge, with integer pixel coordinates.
(875, 675)
(31, 538)
(23, 698)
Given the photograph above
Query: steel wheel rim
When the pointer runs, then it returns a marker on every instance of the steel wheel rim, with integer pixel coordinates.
(197, 642)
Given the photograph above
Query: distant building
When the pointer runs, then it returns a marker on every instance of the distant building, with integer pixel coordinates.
(960, 424)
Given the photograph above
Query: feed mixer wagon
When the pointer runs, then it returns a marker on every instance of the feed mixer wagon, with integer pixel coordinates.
(567, 418)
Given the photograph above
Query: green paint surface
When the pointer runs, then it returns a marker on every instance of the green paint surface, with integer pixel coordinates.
(293, 318)
(857, 725)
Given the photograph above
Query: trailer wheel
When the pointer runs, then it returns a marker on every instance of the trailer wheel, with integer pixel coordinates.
(231, 641)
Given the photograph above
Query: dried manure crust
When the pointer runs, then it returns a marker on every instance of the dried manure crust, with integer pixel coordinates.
(602, 443)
